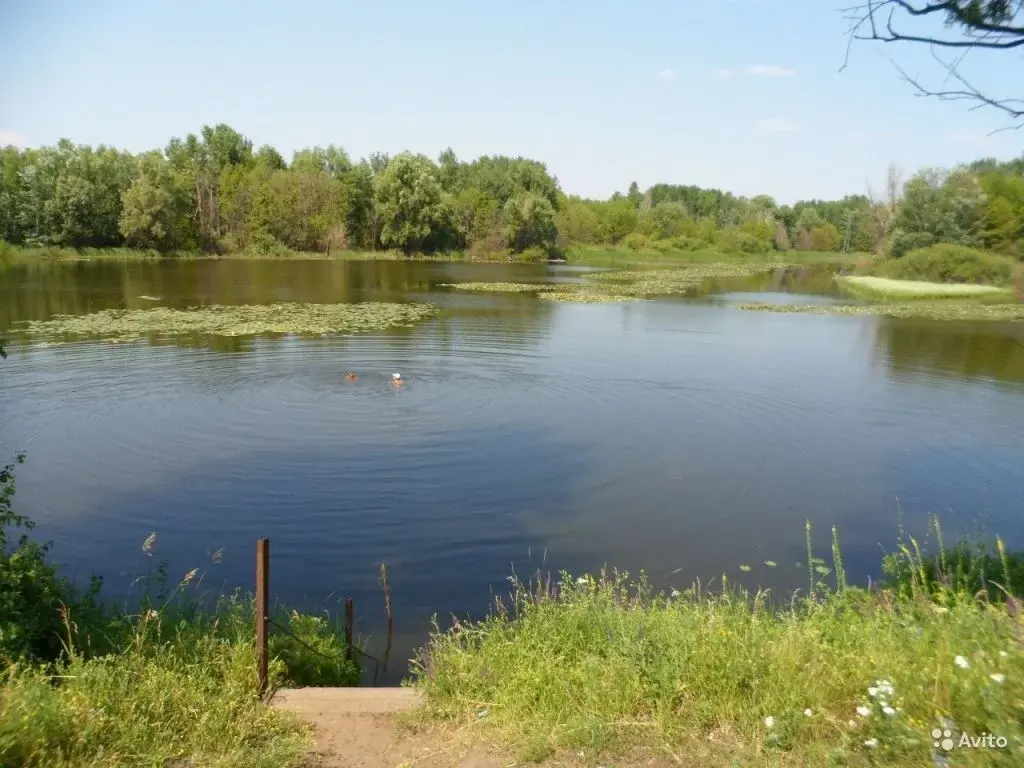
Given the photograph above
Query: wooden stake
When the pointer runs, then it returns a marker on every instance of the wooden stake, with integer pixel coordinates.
(349, 621)
(263, 612)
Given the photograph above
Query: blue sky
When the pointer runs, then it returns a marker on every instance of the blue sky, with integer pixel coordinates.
(745, 95)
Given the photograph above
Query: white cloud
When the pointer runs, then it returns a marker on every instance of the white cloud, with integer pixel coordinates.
(723, 73)
(11, 137)
(666, 75)
(776, 125)
(769, 70)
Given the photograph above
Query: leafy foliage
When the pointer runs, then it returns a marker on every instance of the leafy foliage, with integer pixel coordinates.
(946, 263)
(212, 192)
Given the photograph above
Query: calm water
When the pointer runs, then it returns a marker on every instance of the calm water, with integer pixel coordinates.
(683, 436)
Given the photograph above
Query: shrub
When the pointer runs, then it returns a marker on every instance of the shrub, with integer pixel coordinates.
(636, 242)
(731, 240)
(948, 263)
(532, 255)
(904, 242)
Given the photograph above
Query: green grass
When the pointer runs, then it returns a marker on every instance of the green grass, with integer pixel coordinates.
(176, 682)
(886, 288)
(172, 683)
(15, 255)
(123, 325)
(603, 665)
(948, 309)
(625, 258)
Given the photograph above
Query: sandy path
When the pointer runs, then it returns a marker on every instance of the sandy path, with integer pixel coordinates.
(357, 728)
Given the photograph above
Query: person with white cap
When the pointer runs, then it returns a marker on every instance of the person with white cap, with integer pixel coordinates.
(396, 380)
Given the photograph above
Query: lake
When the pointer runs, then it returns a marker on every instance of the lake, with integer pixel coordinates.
(682, 436)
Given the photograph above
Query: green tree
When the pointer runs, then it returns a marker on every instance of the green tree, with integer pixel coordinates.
(530, 222)
(408, 196)
(151, 211)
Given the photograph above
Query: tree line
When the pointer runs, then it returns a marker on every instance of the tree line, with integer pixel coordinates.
(214, 192)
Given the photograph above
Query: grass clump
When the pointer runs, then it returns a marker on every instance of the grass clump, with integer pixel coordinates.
(178, 703)
(836, 676)
(947, 263)
(928, 310)
(887, 288)
(217, 320)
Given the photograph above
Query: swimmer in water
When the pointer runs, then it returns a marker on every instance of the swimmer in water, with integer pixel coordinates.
(396, 380)
(351, 376)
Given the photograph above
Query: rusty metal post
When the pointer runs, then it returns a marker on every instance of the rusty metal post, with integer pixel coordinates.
(349, 621)
(263, 611)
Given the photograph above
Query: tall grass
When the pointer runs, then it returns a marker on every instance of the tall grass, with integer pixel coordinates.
(169, 681)
(834, 676)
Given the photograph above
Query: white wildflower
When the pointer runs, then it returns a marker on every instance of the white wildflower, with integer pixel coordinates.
(675, 593)
(872, 692)
(999, 677)
(871, 743)
(851, 723)
(885, 686)
(1003, 654)
(483, 713)
(581, 580)
(961, 662)
(808, 712)
(889, 711)
(769, 722)
(864, 711)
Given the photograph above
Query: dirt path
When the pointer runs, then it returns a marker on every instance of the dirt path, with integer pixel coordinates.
(358, 728)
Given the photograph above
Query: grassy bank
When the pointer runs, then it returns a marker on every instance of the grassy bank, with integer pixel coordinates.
(170, 682)
(579, 255)
(625, 258)
(14, 255)
(598, 666)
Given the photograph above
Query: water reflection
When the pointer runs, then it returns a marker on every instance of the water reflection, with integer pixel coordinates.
(964, 351)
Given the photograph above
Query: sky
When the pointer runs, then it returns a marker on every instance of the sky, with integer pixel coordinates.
(743, 95)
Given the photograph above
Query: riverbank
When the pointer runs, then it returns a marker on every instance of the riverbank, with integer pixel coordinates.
(599, 666)
(597, 256)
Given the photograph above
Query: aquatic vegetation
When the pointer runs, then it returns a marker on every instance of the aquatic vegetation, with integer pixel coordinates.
(121, 325)
(580, 296)
(883, 287)
(930, 310)
(681, 280)
(503, 287)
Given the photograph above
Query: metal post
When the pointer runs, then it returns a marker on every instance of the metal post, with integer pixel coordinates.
(349, 621)
(263, 611)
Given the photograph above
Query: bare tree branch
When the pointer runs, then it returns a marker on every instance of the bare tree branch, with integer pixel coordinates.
(972, 25)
